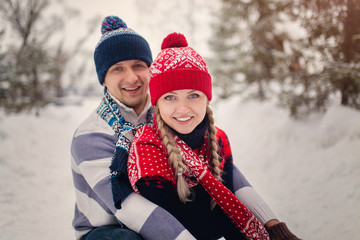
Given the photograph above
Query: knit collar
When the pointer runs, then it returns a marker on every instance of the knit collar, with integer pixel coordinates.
(196, 138)
(130, 114)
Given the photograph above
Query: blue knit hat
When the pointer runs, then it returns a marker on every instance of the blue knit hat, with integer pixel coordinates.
(118, 43)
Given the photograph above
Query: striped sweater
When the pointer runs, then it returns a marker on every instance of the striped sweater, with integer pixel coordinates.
(92, 148)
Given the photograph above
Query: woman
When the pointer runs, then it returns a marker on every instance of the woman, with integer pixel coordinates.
(183, 162)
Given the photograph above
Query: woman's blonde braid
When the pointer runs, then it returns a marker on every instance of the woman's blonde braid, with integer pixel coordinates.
(174, 158)
(214, 157)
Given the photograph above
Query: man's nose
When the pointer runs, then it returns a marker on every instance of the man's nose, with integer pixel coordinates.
(132, 77)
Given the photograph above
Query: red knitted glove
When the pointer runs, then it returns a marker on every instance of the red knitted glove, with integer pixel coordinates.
(281, 232)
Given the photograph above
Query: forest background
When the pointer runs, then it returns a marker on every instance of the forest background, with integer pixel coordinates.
(304, 52)
(287, 72)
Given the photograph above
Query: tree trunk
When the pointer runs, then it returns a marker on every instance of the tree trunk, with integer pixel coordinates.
(350, 25)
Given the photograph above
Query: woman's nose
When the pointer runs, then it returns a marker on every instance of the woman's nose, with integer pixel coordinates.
(182, 107)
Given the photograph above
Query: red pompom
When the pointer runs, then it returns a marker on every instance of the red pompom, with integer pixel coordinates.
(174, 40)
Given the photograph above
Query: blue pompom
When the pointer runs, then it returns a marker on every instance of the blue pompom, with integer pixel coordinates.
(111, 23)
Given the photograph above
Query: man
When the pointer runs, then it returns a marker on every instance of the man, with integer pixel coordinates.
(106, 207)
(122, 58)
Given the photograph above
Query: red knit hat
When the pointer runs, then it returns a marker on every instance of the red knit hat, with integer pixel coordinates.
(178, 67)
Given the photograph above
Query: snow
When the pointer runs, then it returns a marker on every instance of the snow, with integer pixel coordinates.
(307, 170)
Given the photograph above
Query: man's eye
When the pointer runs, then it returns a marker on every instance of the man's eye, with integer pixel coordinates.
(117, 69)
(139, 66)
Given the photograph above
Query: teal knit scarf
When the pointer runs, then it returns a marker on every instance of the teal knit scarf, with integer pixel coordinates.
(109, 111)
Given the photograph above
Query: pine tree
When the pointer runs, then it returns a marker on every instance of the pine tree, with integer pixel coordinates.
(31, 68)
(246, 45)
(224, 65)
(329, 56)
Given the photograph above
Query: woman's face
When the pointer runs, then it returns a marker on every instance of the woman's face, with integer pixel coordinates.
(183, 110)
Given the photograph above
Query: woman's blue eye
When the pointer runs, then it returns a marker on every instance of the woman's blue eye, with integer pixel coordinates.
(194, 95)
(169, 97)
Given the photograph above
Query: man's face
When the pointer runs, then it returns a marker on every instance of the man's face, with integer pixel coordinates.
(128, 81)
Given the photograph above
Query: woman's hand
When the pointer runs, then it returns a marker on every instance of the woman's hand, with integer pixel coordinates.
(279, 231)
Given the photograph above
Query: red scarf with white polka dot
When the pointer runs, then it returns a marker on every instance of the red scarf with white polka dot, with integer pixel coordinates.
(148, 157)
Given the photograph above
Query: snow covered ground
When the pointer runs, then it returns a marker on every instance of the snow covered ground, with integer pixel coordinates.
(307, 170)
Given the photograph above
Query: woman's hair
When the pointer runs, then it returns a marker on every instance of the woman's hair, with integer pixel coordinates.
(175, 157)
